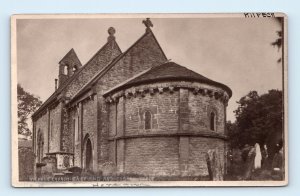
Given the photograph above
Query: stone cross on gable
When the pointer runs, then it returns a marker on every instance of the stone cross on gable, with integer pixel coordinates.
(148, 24)
(111, 31)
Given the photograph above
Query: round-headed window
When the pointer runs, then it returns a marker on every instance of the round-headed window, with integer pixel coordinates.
(148, 120)
(212, 121)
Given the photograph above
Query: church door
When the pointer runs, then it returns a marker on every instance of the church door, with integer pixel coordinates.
(88, 155)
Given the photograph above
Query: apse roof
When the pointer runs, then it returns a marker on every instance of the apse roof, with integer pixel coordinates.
(166, 72)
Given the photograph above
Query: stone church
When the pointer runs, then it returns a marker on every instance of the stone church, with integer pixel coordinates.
(130, 112)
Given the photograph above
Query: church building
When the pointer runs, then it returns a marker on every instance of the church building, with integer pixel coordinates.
(130, 112)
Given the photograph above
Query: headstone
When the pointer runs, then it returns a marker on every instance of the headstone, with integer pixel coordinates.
(215, 169)
(278, 160)
(258, 157)
(249, 164)
(264, 156)
(277, 166)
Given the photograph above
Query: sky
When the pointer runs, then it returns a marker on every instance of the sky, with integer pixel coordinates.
(234, 51)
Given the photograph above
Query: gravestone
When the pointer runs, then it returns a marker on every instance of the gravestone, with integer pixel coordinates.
(249, 165)
(214, 165)
(258, 157)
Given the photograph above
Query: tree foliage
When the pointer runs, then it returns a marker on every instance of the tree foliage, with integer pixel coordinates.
(258, 118)
(278, 43)
(27, 104)
(233, 134)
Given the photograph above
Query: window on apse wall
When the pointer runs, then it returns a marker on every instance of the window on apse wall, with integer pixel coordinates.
(148, 120)
(212, 121)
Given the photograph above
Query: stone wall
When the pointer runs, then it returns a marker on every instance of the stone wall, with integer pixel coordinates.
(174, 111)
(152, 156)
(200, 108)
(86, 113)
(55, 129)
(66, 143)
(112, 111)
(42, 125)
(164, 110)
(50, 123)
(198, 147)
(145, 53)
(75, 114)
(89, 127)
(180, 135)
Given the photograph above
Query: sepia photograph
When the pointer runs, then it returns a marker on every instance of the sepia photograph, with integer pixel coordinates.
(149, 100)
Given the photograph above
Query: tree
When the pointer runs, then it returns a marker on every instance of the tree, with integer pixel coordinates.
(256, 116)
(279, 41)
(233, 134)
(27, 104)
(259, 120)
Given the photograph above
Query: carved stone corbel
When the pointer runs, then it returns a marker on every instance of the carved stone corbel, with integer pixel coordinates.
(151, 91)
(171, 89)
(196, 91)
(160, 90)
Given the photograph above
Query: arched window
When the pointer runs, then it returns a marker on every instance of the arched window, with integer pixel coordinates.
(87, 153)
(65, 70)
(76, 130)
(212, 121)
(148, 120)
